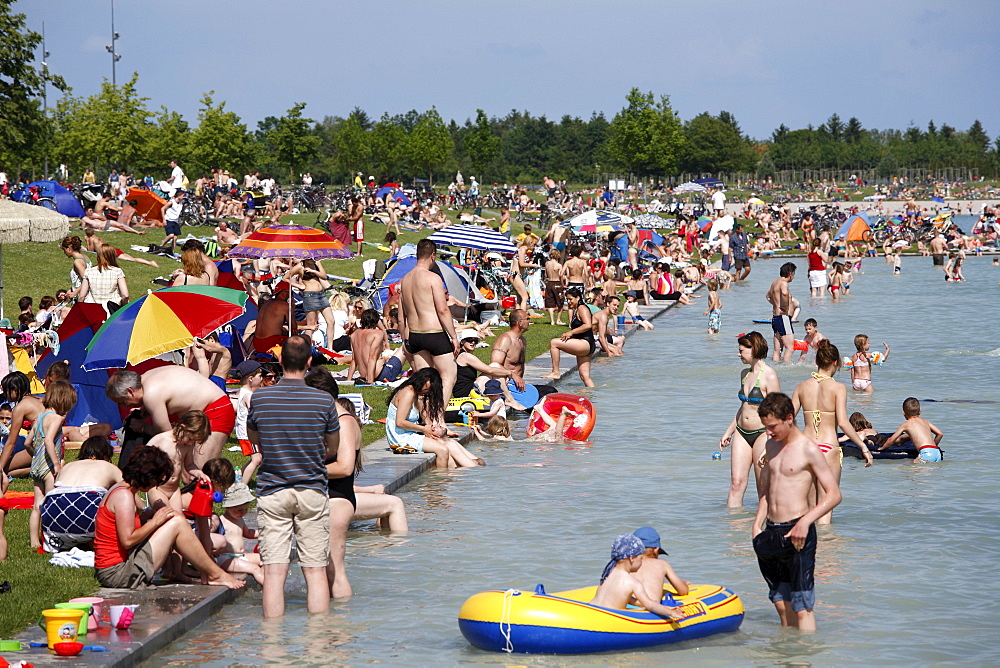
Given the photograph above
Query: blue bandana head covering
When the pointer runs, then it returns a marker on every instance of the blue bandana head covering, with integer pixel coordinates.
(625, 546)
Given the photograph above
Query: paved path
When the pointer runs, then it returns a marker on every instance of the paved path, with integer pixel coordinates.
(167, 612)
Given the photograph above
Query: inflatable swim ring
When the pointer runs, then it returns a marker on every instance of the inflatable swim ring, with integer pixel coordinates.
(597, 266)
(877, 359)
(577, 429)
(565, 623)
(901, 450)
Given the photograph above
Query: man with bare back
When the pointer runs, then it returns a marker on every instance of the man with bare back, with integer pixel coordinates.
(780, 298)
(425, 321)
(272, 318)
(167, 392)
(575, 270)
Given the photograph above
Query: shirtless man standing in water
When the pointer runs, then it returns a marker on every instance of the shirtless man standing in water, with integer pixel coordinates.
(780, 298)
(783, 532)
(425, 321)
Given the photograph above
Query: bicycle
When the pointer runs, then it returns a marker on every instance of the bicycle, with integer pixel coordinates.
(34, 196)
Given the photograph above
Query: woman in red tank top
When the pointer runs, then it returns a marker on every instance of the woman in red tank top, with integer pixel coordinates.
(818, 279)
(128, 552)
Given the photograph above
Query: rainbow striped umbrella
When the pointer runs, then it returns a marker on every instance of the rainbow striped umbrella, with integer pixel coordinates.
(291, 241)
(162, 321)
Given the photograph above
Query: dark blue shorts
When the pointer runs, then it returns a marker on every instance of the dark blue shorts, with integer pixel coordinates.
(173, 227)
(787, 571)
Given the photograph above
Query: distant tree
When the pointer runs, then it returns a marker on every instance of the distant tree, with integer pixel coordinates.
(887, 166)
(168, 139)
(833, 128)
(389, 146)
(646, 137)
(353, 146)
(931, 129)
(730, 120)
(289, 141)
(853, 131)
(780, 133)
(22, 124)
(480, 144)
(108, 129)
(713, 145)
(361, 116)
(221, 140)
(978, 137)
(430, 144)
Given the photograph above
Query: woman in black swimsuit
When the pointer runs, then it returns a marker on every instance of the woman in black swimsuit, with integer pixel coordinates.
(470, 366)
(340, 485)
(578, 341)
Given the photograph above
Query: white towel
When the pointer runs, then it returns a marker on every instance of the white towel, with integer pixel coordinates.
(74, 558)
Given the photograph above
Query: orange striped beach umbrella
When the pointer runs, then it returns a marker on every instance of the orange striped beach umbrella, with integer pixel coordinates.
(290, 241)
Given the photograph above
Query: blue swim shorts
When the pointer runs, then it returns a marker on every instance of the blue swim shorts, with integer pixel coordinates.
(929, 453)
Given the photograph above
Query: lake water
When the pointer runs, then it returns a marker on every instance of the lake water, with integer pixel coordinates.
(901, 574)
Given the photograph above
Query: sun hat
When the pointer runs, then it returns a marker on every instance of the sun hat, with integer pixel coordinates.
(649, 537)
(237, 495)
(492, 388)
(625, 546)
(469, 334)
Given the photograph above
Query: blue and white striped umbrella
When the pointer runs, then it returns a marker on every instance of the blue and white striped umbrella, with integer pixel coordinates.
(598, 218)
(690, 187)
(473, 237)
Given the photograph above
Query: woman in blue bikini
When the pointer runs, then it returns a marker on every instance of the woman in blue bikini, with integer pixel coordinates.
(746, 432)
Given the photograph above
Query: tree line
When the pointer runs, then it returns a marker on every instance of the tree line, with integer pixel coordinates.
(115, 128)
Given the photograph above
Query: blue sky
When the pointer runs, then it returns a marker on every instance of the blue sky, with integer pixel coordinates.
(890, 63)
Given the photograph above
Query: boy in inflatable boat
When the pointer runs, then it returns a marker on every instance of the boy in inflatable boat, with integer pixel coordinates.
(619, 586)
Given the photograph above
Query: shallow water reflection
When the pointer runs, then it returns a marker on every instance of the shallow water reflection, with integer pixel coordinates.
(903, 573)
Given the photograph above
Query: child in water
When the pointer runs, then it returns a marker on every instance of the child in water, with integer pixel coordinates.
(861, 371)
(654, 571)
(812, 337)
(619, 587)
(714, 310)
(632, 311)
(497, 429)
(920, 432)
(836, 280)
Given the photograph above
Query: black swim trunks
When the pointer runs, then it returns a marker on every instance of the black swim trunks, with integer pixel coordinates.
(938, 259)
(787, 571)
(436, 343)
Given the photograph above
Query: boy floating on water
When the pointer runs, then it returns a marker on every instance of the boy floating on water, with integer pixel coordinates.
(919, 431)
(619, 586)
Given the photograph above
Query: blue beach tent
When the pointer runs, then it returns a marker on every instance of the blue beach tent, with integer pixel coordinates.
(66, 202)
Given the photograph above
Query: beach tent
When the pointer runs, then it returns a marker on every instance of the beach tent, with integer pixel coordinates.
(856, 228)
(399, 195)
(75, 333)
(66, 202)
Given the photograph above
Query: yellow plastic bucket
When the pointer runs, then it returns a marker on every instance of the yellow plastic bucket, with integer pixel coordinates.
(78, 605)
(62, 625)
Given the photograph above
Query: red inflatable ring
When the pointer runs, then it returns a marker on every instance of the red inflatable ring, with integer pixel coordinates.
(599, 265)
(577, 429)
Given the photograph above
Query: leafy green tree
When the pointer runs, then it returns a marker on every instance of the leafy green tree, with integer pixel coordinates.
(978, 137)
(480, 144)
(714, 145)
(646, 137)
(221, 140)
(853, 131)
(353, 146)
(169, 139)
(289, 141)
(389, 147)
(107, 130)
(430, 144)
(22, 123)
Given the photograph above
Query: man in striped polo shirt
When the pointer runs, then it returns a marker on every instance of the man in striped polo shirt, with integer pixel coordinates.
(296, 429)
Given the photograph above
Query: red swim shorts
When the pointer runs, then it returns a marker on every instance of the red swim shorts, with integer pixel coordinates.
(247, 448)
(221, 415)
(264, 344)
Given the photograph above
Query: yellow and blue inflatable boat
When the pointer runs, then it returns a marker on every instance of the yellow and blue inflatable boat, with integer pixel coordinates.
(565, 623)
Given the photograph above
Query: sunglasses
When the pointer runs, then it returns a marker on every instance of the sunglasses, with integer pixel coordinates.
(471, 340)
